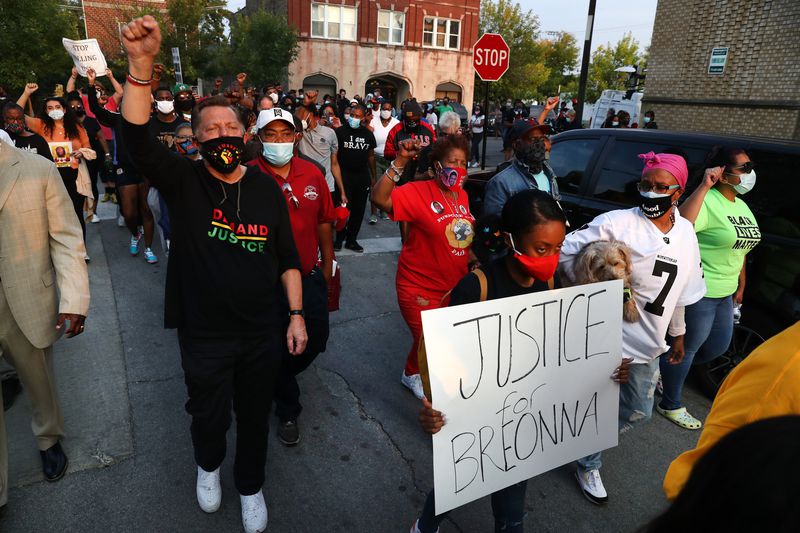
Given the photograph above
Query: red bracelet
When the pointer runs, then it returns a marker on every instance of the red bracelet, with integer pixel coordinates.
(137, 81)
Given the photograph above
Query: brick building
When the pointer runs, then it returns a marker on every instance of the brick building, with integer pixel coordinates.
(758, 90)
(104, 18)
(421, 48)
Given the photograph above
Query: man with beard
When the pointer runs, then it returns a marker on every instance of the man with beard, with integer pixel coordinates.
(528, 169)
(231, 246)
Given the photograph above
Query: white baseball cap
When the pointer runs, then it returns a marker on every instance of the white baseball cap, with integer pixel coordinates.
(268, 115)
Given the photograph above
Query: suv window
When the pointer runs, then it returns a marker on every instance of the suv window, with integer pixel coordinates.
(774, 198)
(569, 160)
(622, 170)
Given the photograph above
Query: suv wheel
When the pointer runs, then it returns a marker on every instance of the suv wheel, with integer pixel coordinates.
(711, 375)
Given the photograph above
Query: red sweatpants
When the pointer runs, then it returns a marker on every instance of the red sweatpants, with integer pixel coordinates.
(412, 301)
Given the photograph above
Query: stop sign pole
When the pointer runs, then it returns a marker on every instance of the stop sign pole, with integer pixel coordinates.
(490, 58)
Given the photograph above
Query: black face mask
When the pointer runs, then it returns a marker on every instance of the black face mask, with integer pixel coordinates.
(80, 112)
(532, 155)
(223, 153)
(655, 207)
(184, 106)
(411, 124)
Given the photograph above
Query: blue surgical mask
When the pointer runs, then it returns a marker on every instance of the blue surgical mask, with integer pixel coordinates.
(646, 120)
(354, 122)
(277, 154)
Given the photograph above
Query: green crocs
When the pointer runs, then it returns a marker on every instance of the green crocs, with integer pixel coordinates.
(680, 417)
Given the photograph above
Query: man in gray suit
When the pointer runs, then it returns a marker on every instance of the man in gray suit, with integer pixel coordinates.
(44, 292)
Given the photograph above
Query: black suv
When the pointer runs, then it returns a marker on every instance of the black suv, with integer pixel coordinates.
(598, 170)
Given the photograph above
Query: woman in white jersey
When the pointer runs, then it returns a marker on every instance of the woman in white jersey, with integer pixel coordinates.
(666, 277)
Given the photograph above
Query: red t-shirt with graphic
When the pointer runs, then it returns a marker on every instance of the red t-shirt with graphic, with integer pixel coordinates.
(436, 252)
(313, 207)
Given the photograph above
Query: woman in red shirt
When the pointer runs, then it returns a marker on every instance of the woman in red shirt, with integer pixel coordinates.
(436, 251)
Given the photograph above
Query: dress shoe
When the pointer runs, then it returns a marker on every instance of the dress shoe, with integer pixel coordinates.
(54, 462)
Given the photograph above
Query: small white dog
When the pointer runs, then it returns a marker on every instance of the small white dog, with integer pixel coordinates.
(605, 261)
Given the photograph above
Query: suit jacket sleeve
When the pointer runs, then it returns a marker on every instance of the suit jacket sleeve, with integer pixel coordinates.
(67, 250)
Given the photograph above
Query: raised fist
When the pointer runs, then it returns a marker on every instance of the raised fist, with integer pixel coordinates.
(141, 39)
(91, 75)
(241, 77)
(158, 70)
(31, 88)
(74, 74)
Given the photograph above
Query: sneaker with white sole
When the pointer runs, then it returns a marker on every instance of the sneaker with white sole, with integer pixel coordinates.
(209, 491)
(592, 486)
(373, 219)
(120, 221)
(414, 384)
(150, 256)
(254, 513)
(94, 219)
(134, 247)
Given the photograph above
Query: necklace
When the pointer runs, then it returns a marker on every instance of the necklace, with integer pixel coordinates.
(454, 207)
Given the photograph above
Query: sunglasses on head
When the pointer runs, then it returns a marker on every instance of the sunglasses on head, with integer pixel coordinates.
(747, 167)
(288, 190)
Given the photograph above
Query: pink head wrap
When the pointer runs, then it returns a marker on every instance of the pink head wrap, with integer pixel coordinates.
(674, 164)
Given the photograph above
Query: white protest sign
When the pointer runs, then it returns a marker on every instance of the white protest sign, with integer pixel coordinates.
(524, 384)
(86, 54)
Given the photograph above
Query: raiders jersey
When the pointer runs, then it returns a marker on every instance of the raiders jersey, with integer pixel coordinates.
(666, 273)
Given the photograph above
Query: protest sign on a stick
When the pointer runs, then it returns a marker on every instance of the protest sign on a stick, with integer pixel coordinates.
(86, 54)
(525, 386)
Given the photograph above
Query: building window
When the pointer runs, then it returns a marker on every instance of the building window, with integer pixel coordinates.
(390, 26)
(333, 22)
(441, 33)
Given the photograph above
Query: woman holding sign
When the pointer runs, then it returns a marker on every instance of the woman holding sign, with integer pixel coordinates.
(63, 132)
(436, 253)
(533, 228)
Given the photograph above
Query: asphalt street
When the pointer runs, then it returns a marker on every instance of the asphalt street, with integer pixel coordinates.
(363, 464)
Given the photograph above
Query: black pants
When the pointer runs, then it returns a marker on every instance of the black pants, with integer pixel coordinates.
(315, 304)
(236, 372)
(357, 188)
(70, 178)
(476, 147)
(508, 507)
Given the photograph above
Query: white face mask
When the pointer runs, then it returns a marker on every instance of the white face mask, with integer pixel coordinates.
(56, 114)
(165, 106)
(274, 97)
(746, 183)
(386, 114)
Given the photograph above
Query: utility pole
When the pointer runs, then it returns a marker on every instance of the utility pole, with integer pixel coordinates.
(587, 52)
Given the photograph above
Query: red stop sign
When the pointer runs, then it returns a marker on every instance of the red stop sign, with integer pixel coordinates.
(490, 56)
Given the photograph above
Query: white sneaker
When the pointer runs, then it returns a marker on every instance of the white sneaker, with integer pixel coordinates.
(209, 491)
(254, 513)
(94, 219)
(414, 384)
(121, 221)
(592, 486)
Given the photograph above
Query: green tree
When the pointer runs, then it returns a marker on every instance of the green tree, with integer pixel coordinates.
(606, 59)
(527, 70)
(561, 58)
(262, 45)
(30, 38)
(197, 29)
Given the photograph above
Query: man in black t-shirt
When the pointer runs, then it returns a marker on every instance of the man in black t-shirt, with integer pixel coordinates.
(14, 125)
(357, 163)
(231, 246)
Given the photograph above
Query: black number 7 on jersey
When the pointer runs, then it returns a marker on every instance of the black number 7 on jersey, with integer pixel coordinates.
(656, 307)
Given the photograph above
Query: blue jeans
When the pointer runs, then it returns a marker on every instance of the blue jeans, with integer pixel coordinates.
(635, 404)
(508, 507)
(709, 328)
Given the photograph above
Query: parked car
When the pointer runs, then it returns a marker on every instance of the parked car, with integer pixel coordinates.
(598, 170)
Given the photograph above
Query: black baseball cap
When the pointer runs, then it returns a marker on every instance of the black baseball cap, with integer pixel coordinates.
(524, 125)
(412, 108)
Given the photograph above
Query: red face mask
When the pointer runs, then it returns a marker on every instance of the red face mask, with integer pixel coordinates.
(452, 177)
(540, 268)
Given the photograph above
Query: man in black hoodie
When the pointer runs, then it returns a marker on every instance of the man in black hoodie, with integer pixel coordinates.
(231, 244)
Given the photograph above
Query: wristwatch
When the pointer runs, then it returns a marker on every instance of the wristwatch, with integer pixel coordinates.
(294, 312)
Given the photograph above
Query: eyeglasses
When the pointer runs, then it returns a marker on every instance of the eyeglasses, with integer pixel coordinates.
(644, 186)
(745, 168)
(290, 194)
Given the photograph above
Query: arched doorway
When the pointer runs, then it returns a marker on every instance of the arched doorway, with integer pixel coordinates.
(450, 90)
(393, 88)
(322, 83)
